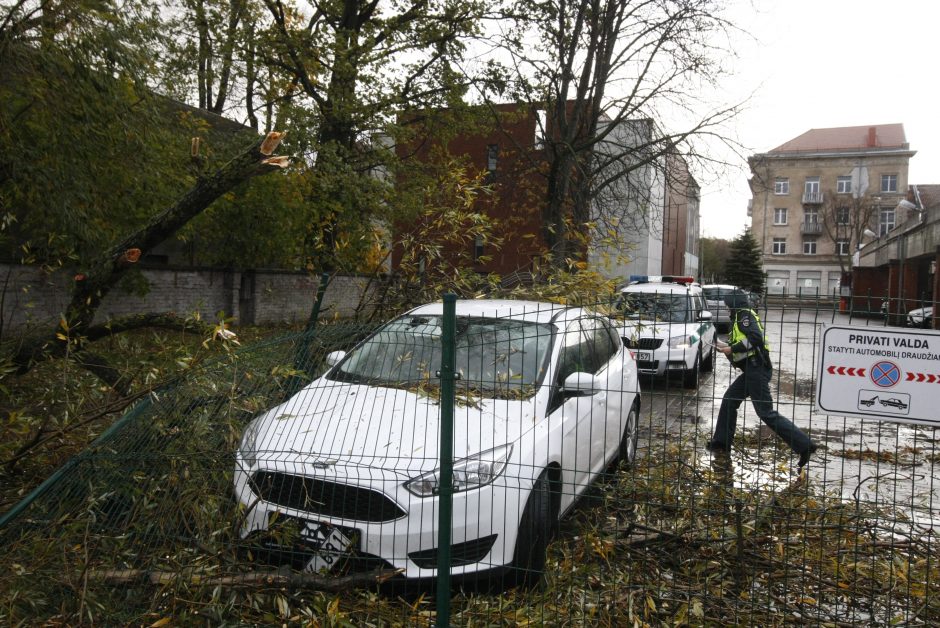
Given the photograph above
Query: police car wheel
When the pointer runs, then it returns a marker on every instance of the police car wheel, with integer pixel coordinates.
(690, 377)
(709, 364)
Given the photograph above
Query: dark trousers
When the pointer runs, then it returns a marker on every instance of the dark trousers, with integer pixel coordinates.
(754, 382)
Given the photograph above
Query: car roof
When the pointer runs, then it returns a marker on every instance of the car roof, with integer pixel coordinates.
(530, 311)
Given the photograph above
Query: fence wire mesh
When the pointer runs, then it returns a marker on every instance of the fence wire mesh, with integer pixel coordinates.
(291, 483)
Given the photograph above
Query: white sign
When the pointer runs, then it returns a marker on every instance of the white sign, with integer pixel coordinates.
(887, 373)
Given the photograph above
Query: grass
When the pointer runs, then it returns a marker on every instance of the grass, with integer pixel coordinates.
(678, 540)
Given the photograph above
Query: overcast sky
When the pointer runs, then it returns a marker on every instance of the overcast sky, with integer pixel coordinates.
(829, 63)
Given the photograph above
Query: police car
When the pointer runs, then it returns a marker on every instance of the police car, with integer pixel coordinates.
(664, 321)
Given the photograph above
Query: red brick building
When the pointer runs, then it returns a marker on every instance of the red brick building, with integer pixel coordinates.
(508, 149)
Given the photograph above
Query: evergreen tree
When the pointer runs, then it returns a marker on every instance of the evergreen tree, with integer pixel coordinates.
(743, 267)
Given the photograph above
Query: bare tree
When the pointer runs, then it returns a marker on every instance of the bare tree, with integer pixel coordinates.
(604, 71)
(844, 219)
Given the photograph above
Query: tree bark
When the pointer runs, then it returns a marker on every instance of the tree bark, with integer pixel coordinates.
(278, 578)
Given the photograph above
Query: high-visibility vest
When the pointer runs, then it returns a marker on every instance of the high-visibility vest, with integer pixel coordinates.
(737, 336)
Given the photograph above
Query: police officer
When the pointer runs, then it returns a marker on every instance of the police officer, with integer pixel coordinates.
(749, 351)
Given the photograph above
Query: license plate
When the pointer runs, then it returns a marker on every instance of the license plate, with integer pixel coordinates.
(330, 545)
(644, 356)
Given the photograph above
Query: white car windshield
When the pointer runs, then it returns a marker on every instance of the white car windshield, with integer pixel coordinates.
(496, 358)
(717, 294)
(657, 306)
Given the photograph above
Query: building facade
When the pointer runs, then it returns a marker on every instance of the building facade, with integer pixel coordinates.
(899, 268)
(646, 221)
(820, 196)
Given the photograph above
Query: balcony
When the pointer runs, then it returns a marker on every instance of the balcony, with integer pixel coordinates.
(810, 227)
(812, 198)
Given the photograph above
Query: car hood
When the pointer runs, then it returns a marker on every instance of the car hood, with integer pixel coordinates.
(331, 423)
(650, 329)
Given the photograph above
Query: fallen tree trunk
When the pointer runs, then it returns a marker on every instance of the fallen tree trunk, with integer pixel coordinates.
(275, 578)
(96, 282)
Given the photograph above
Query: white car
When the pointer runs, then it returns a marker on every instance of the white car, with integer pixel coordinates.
(667, 325)
(920, 317)
(547, 399)
(715, 303)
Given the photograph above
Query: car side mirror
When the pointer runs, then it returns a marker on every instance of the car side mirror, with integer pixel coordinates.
(335, 357)
(580, 385)
(705, 315)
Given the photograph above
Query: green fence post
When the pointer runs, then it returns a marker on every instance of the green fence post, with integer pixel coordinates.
(318, 302)
(445, 494)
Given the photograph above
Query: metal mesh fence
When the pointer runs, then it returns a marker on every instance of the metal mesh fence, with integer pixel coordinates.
(262, 490)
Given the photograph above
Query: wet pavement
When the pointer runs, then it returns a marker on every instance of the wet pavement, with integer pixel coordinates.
(880, 463)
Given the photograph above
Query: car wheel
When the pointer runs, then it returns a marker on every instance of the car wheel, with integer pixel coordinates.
(690, 377)
(629, 439)
(535, 532)
(709, 364)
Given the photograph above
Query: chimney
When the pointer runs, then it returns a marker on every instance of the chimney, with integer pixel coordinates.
(872, 139)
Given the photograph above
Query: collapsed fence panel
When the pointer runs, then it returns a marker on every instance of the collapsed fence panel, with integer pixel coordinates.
(302, 478)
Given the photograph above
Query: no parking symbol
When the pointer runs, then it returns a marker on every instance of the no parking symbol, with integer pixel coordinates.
(885, 374)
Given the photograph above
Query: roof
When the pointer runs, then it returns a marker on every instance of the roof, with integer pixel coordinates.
(847, 138)
(929, 194)
(533, 311)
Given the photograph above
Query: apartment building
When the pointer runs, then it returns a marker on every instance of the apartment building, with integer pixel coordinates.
(655, 206)
(818, 197)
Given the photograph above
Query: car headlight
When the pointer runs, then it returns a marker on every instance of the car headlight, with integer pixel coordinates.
(680, 342)
(469, 473)
(247, 446)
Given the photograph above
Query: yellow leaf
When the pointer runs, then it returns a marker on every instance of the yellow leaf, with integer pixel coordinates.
(160, 622)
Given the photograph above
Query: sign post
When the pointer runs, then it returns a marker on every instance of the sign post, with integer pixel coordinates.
(891, 374)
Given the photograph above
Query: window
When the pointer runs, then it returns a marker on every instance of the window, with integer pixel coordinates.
(889, 183)
(541, 128)
(842, 215)
(780, 246)
(588, 346)
(781, 185)
(885, 221)
(492, 157)
(842, 246)
(778, 281)
(809, 246)
(843, 185)
(811, 187)
(811, 216)
(808, 281)
(478, 248)
(780, 216)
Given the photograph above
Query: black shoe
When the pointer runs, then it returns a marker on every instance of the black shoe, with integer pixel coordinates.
(716, 447)
(804, 457)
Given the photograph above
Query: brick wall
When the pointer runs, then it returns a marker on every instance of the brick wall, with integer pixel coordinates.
(31, 296)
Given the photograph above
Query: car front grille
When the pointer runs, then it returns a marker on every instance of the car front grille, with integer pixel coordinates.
(643, 344)
(329, 499)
